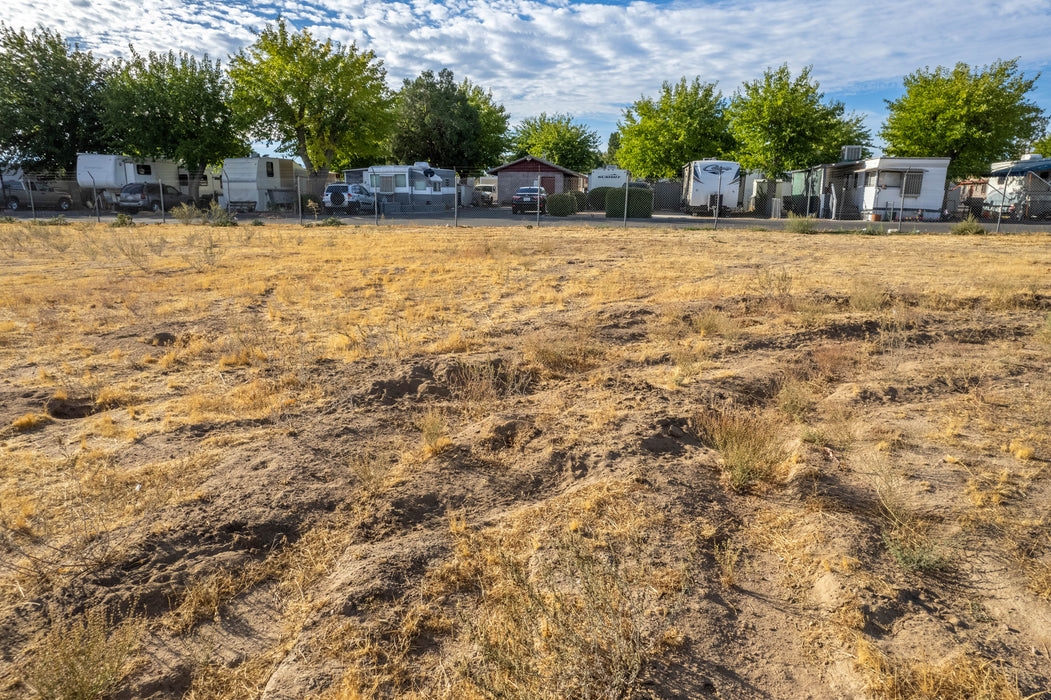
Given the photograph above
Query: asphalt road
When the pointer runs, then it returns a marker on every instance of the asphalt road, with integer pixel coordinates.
(502, 216)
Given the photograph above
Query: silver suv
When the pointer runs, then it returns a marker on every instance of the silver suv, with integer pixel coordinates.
(351, 198)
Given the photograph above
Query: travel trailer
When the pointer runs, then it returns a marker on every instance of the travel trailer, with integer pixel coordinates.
(260, 183)
(102, 175)
(1020, 189)
(416, 187)
(710, 183)
(608, 176)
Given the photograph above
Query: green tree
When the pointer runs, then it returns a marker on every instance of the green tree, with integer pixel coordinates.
(492, 140)
(612, 149)
(781, 123)
(327, 103)
(49, 100)
(1042, 146)
(687, 121)
(558, 140)
(434, 121)
(974, 117)
(172, 106)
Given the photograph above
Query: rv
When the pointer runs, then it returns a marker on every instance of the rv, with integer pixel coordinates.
(102, 175)
(708, 184)
(607, 177)
(416, 187)
(1020, 189)
(210, 186)
(260, 183)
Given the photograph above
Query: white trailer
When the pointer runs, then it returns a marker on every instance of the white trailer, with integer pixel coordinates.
(416, 187)
(104, 174)
(607, 177)
(710, 183)
(260, 183)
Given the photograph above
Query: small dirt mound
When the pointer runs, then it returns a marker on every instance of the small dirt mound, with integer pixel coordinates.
(70, 409)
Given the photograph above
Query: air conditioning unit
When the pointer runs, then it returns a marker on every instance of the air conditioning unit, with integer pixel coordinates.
(851, 153)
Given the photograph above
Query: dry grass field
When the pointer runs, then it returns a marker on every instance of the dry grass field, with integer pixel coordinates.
(335, 463)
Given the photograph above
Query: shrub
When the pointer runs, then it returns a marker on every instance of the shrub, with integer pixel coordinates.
(258, 222)
(217, 216)
(83, 658)
(967, 227)
(330, 221)
(123, 220)
(640, 203)
(185, 213)
(580, 198)
(561, 205)
(749, 443)
(596, 198)
(800, 224)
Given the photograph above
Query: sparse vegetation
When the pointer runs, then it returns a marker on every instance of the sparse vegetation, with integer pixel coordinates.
(456, 463)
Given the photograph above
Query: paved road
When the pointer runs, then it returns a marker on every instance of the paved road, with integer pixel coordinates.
(501, 216)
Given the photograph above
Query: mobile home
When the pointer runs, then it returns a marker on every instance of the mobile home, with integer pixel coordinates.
(260, 183)
(416, 187)
(104, 174)
(873, 188)
(711, 183)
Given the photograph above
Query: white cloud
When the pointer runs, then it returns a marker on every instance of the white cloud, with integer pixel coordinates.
(593, 58)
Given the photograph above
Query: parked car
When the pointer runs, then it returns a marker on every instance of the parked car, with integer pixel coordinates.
(136, 196)
(44, 196)
(526, 199)
(351, 198)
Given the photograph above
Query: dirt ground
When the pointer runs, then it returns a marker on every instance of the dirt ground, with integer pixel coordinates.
(285, 462)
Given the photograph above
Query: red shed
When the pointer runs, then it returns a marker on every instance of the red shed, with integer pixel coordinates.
(524, 172)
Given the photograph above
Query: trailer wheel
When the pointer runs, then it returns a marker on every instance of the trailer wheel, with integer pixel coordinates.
(64, 204)
(13, 204)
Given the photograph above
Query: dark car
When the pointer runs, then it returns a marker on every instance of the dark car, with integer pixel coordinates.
(140, 195)
(40, 195)
(526, 199)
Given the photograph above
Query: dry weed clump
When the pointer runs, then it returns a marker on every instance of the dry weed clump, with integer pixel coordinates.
(962, 676)
(751, 443)
(83, 658)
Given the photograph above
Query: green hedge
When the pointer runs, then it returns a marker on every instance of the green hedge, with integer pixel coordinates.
(581, 199)
(564, 204)
(640, 203)
(597, 197)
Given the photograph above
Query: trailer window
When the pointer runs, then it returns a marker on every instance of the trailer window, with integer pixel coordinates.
(270, 168)
(420, 185)
(400, 180)
(913, 184)
(143, 169)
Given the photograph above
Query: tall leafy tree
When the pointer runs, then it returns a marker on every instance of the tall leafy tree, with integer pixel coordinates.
(782, 123)
(1042, 146)
(973, 116)
(325, 102)
(557, 139)
(435, 121)
(612, 149)
(493, 117)
(172, 106)
(49, 100)
(686, 121)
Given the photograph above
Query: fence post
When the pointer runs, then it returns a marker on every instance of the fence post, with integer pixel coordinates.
(29, 191)
(160, 188)
(718, 200)
(626, 188)
(456, 198)
(299, 197)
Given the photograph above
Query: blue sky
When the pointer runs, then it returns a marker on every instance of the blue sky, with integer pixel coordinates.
(591, 59)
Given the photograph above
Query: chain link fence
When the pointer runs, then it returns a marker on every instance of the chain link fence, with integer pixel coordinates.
(1019, 195)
